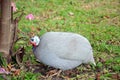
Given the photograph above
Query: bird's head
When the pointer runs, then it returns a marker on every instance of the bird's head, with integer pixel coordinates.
(35, 41)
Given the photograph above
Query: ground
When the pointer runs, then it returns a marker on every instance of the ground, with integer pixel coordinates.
(97, 20)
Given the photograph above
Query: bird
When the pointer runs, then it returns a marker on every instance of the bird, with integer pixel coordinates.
(62, 50)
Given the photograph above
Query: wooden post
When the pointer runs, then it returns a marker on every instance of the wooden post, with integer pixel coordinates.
(5, 27)
(0, 13)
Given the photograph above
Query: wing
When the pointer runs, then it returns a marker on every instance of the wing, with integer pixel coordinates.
(67, 46)
(76, 51)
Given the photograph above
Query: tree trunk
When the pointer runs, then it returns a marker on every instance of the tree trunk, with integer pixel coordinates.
(5, 27)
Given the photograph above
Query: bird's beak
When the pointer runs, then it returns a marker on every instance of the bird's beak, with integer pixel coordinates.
(33, 43)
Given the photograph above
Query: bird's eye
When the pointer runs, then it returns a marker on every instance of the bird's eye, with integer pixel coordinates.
(32, 39)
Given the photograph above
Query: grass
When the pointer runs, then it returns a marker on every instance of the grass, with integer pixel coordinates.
(97, 20)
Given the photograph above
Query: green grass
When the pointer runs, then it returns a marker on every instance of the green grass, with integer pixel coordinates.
(97, 20)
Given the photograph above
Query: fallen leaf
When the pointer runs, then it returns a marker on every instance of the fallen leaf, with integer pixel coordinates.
(71, 13)
(33, 28)
(107, 17)
(17, 72)
(115, 76)
(3, 71)
(98, 76)
(9, 66)
(19, 55)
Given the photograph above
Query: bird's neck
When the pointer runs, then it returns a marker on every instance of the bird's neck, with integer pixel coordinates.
(33, 48)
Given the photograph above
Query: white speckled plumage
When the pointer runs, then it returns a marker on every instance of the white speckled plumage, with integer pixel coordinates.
(63, 50)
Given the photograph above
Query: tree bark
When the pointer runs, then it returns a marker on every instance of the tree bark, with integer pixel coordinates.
(5, 27)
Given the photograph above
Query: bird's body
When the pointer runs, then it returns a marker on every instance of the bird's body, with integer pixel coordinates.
(63, 50)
